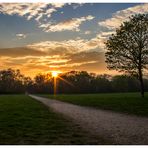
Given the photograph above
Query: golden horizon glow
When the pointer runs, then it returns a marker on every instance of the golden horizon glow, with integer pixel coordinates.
(55, 73)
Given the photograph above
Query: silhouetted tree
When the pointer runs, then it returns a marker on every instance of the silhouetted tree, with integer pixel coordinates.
(127, 49)
(28, 84)
(43, 83)
(101, 84)
(76, 82)
(11, 81)
(124, 83)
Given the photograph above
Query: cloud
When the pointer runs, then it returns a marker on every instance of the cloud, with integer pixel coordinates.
(71, 24)
(89, 61)
(32, 63)
(36, 11)
(123, 15)
(67, 46)
(75, 6)
(58, 5)
(20, 52)
(41, 13)
(21, 36)
(30, 10)
(104, 35)
(22, 9)
(53, 48)
(87, 32)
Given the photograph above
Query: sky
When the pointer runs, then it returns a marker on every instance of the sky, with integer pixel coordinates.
(43, 37)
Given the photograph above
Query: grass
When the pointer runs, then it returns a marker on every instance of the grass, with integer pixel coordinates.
(129, 103)
(26, 121)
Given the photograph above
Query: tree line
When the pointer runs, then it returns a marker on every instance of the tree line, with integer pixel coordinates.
(73, 82)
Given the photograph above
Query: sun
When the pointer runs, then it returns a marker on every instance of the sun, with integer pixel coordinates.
(54, 73)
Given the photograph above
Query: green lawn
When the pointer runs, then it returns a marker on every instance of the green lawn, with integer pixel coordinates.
(26, 121)
(130, 103)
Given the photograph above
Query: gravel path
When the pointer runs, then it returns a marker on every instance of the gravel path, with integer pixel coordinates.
(119, 128)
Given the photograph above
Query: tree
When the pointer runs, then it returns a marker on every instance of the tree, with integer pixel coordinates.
(43, 83)
(11, 81)
(127, 49)
(129, 84)
(101, 84)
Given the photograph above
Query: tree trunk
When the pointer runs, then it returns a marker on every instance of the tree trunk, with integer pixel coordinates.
(141, 82)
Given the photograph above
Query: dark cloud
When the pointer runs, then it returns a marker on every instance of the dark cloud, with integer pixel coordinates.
(20, 52)
(86, 56)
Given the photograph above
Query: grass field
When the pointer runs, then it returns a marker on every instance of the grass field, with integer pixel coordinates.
(130, 103)
(26, 121)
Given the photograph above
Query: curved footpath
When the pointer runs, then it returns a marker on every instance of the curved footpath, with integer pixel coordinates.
(119, 128)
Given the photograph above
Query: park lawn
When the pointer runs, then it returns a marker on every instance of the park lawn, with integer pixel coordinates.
(26, 121)
(129, 103)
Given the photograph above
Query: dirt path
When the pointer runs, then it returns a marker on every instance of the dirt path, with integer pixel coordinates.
(119, 128)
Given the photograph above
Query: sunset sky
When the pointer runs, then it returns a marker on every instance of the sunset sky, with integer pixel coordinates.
(42, 37)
